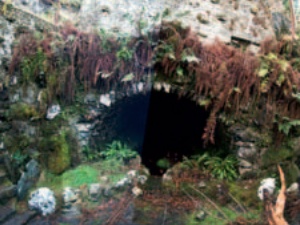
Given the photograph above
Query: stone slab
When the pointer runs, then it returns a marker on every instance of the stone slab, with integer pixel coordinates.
(5, 213)
(20, 219)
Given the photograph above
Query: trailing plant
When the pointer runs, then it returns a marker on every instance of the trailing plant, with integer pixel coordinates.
(227, 78)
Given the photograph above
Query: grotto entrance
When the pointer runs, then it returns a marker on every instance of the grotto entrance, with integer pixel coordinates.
(174, 129)
(160, 126)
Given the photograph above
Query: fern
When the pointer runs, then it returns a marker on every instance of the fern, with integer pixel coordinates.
(285, 127)
(116, 150)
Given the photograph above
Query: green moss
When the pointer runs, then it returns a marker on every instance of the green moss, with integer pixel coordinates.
(79, 176)
(83, 175)
(16, 142)
(73, 178)
(60, 158)
(49, 128)
(291, 172)
(246, 193)
(276, 155)
(22, 111)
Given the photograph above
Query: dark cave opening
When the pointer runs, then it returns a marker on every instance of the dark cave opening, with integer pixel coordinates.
(125, 121)
(158, 125)
(174, 129)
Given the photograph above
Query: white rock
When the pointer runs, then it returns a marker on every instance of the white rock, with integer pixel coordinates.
(104, 179)
(140, 86)
(122, 182)
(136, 191)
(42, 200)
(294, 188)
(167, 87)
(166, 178)
(82, 127)
(52, 112)
(268, 184)
(131, 174)
(94, 191)
(105, 100)
(157, 86)
(201, 184)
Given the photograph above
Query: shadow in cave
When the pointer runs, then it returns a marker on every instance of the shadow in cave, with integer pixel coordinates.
(158, 125)
(125, 121)
(174, 129)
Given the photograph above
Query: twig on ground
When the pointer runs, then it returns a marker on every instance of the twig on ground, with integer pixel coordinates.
(211, 202)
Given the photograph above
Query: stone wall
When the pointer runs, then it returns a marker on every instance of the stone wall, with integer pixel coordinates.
(247, 20)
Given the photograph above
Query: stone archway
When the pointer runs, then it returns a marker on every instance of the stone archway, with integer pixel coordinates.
(157, 123)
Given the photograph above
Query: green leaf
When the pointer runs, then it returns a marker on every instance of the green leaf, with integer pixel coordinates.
(190, 58)
(105, 75)
(179, 71)
(297, 96)
(263, 72)
(284, 65)
(128, 77)
(280, 79)
(238, 90)
(204, 102)
(171, 56)
(271, 56)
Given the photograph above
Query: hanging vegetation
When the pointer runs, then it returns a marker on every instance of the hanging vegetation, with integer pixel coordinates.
(69, 58)
(226, 78)
(229, 78)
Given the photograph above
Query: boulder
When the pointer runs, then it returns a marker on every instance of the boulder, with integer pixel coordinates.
(43, 201)
(53, 111)
(266, 184)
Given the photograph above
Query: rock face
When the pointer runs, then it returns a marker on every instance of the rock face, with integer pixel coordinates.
(245, 141)
(71, 202)
(28, 178)
(226, 20)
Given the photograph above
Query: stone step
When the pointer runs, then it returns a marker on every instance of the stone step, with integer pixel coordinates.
(5, 213)
(20, 219)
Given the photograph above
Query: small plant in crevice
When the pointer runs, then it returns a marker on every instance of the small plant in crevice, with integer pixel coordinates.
(223, 168)
(118, 151)
(196, 161)
(18, 158)
(89, 153)
(163, 163)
